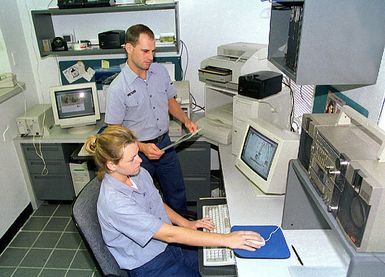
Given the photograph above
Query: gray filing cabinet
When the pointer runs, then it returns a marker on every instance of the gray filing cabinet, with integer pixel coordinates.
(194, 157)
(56, 183)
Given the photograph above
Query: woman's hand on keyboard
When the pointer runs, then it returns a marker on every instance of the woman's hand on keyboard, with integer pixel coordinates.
(242, 240)
(204, 223)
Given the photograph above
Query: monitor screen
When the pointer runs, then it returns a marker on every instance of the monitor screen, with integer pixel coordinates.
(75, 106)
(74, 103)
(258, 152)
(265, 154)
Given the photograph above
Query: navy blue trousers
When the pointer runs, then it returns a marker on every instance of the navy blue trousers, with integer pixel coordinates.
(168, 172)
(174, 261)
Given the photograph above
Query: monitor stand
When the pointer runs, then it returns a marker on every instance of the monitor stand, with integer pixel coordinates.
(82, 130)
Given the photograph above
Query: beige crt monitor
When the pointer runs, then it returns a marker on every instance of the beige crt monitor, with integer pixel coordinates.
(265, 154)
(75, 107)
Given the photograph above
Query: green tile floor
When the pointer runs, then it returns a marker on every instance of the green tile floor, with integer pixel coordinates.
(48, 245)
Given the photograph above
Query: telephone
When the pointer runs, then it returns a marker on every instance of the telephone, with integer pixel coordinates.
(7, 80)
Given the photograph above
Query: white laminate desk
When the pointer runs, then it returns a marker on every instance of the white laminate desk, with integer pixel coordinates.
(320, 250)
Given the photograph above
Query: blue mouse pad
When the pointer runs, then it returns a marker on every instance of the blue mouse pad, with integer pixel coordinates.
(275, 248)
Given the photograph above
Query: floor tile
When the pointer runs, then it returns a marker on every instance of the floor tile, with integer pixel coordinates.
(71, 227)
(36, 258)
(79, 273)
(64, 210)
(47, 240)
(35, 223)
(6, 271)
(45, 210)
(12, 256)
(69, 241)
(60, 259)
(56, 224)
(53, 272)
(49, 244)
(83, 246)
(83, 260)
(27, 272)
(24, 239)
(97, 273)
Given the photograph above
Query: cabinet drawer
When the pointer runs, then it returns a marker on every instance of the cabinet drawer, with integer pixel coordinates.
(50, 151)
(53, 167)
(52, 187)
(197, 187)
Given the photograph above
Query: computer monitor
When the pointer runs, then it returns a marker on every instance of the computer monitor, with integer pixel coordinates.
(75, 107)
(265, 155)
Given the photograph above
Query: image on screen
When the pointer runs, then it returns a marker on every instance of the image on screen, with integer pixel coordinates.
(258, 152)
(74, 103)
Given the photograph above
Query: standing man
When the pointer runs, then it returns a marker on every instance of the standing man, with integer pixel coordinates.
(140, 98)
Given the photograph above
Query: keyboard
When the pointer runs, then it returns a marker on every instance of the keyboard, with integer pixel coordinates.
(218, 256)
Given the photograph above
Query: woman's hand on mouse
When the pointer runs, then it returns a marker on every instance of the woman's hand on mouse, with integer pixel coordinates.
(243, 240)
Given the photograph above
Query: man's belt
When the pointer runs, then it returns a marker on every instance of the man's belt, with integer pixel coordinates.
(157, 139)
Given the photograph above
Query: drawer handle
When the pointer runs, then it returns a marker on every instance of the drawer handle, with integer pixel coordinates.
(47, 162)
(47, 177)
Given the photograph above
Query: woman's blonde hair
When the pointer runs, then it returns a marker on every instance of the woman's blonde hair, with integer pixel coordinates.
(108, 146)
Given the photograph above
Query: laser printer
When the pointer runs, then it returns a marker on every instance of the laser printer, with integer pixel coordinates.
(233, 60)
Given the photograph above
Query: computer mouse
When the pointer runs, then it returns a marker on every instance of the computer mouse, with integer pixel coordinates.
(257, 242)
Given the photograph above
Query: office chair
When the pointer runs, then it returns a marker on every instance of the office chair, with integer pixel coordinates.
(86, 220)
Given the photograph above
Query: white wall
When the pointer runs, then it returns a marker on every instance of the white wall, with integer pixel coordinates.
(13, 193)
(206, 24)
(4, 60)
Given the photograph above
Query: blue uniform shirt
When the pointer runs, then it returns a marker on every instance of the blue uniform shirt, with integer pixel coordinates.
(141, 105)
(129, 218)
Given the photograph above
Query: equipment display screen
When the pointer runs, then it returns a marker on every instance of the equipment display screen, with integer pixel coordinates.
(258, 152)
(74, 103)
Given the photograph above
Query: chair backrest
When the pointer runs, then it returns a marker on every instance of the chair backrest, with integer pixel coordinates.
(85, 216)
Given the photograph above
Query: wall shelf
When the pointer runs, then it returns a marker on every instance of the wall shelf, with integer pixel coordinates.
(6, 93)
(88, 22)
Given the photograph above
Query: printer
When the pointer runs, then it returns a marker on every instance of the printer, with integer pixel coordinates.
(233, 60)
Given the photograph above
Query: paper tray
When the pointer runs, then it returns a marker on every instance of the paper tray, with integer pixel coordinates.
(275, 248)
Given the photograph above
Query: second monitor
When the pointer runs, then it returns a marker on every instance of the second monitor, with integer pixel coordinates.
(265, 155)
(75, 107)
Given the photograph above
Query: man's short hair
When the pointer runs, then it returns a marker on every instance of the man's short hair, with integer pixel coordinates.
(133, 33)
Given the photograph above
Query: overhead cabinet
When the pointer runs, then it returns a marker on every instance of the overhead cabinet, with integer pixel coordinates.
(327, 42)
(87, 23)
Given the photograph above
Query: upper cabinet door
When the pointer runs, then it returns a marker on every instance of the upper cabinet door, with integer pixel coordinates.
(328, 42)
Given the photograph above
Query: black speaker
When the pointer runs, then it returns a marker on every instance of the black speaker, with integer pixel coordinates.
(260, 84)
(59, 44)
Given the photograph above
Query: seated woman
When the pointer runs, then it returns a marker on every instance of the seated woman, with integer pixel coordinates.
(139, 229)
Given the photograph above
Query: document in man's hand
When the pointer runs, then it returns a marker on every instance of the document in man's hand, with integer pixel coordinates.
(181, 139)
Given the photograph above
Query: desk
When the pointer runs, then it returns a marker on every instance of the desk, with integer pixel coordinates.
(56, 136)
(319, 250)
(194, 157)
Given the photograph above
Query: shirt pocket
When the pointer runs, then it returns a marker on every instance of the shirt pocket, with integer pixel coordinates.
(135, 107)
(134, 98)
(162, 95)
